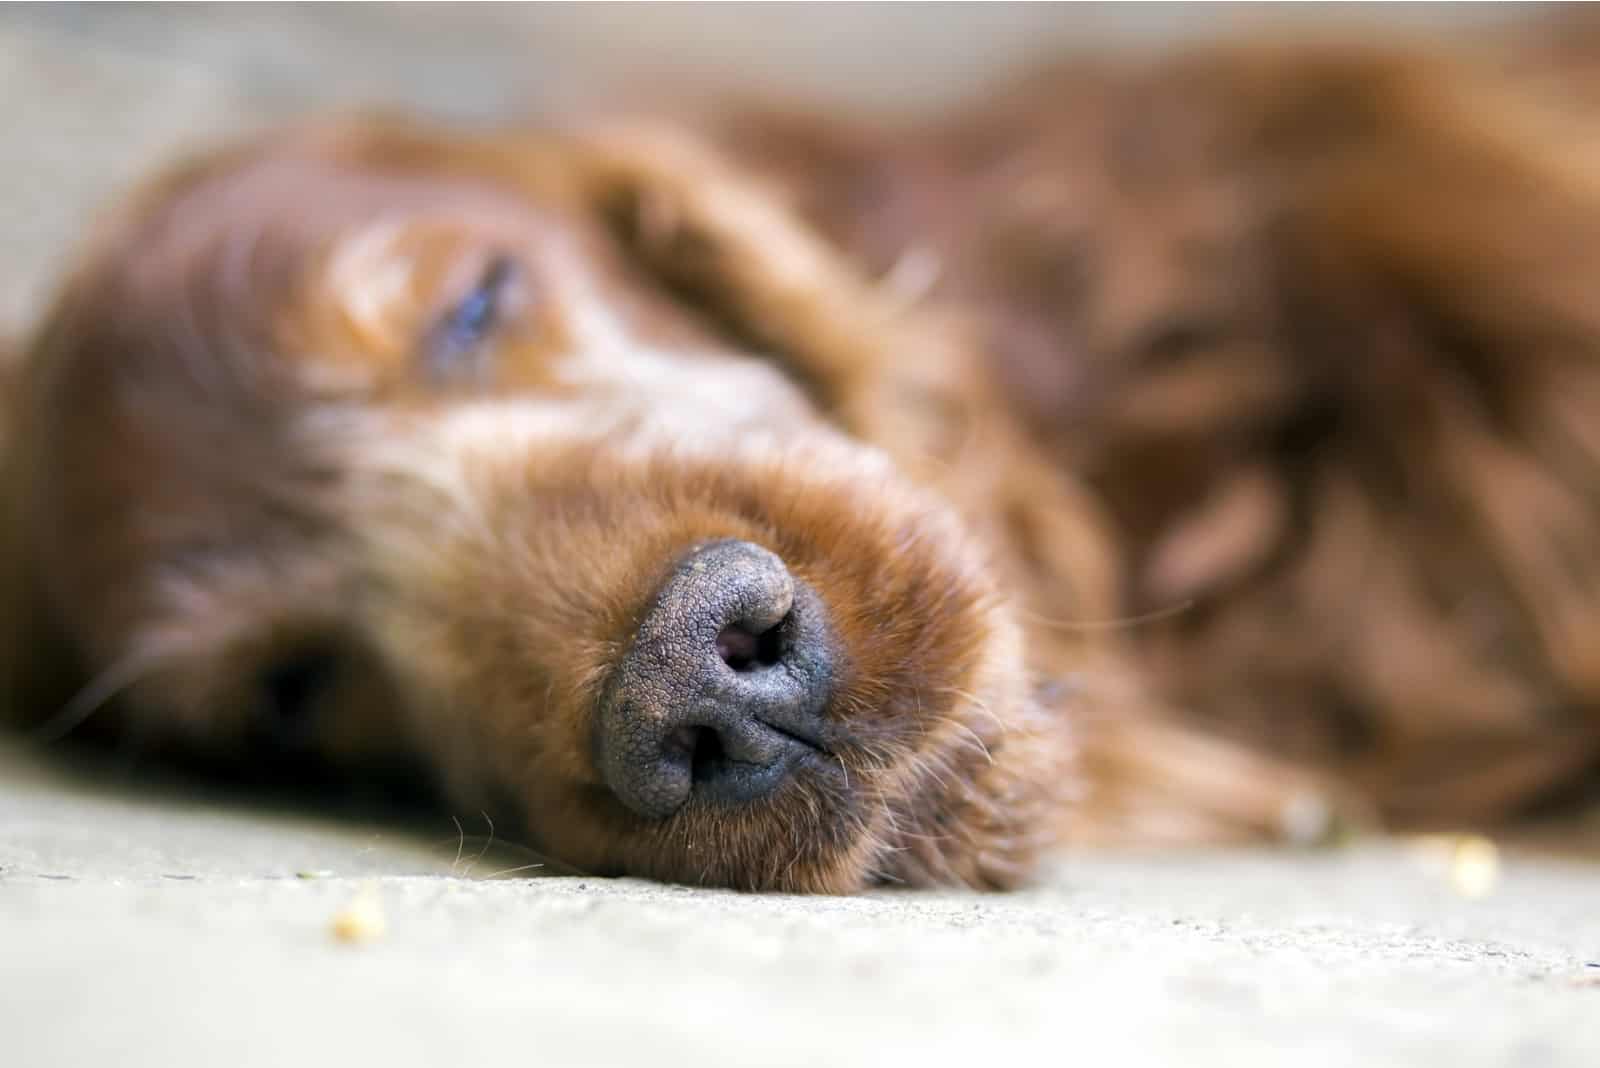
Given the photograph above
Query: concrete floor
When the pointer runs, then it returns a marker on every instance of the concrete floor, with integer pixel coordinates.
(152, 927)
(146, 926)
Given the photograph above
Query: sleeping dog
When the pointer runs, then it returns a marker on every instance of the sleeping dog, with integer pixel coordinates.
(1151, 453)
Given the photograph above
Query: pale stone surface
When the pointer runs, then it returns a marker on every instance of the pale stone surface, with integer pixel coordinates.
(142, 927)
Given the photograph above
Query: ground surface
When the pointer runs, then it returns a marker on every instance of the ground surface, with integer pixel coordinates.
(143, 927)
(147, 927)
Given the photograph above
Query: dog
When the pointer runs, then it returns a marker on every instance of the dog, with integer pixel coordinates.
(1180, 453)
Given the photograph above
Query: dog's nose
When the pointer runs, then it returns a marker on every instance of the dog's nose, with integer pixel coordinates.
(722, 693)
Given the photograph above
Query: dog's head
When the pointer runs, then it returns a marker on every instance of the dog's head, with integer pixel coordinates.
(538, 458)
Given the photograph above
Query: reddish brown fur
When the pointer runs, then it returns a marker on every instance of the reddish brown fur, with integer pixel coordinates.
(1316, 323)
(1310, 328)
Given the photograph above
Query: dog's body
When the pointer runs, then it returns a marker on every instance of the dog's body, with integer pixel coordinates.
(1149, 453)
(1316, 324)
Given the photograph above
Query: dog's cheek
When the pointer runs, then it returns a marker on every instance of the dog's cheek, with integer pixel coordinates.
(981, 795)
(999, 815)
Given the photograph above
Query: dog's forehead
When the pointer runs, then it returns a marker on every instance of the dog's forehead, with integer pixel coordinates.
(306, 196)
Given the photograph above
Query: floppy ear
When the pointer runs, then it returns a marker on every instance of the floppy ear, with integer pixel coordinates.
(721, 241)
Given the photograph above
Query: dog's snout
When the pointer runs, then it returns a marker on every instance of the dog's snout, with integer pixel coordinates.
(723, 691)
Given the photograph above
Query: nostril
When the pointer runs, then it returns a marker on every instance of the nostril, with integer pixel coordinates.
(710, 757)
(292, 688)
(700, 749)
(744, 650)
(737, 647)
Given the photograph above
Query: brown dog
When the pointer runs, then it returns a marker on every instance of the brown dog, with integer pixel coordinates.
(577, 469)
(533, 459)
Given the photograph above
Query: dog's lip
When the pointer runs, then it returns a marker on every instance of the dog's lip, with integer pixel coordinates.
(800, 739)
(811, 736)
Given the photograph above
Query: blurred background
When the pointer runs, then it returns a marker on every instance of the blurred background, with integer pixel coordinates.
(92, 96)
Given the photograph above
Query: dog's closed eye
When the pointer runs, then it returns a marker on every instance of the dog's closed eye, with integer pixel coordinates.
(457, 346)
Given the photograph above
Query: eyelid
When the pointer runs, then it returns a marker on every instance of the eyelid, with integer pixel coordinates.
(459, 335)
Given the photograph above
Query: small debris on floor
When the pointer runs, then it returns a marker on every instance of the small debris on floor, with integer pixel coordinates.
(362, 920)
(1307, 819)
(1475, 869)
(1470, 863)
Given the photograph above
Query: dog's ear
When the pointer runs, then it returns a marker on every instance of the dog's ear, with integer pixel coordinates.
(721, 241)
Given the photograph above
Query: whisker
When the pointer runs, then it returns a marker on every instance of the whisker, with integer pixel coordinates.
(1123, 623)
(461, 843)
(94, 696)
(486, 845)
(511, 871)
(976, 740)
(977, 704)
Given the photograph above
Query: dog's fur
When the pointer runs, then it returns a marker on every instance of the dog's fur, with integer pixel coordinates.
(1284, 359)
(1316, 324)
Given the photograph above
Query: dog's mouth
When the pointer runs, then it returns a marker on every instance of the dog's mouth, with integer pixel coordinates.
(706, 752)
(717, 776)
